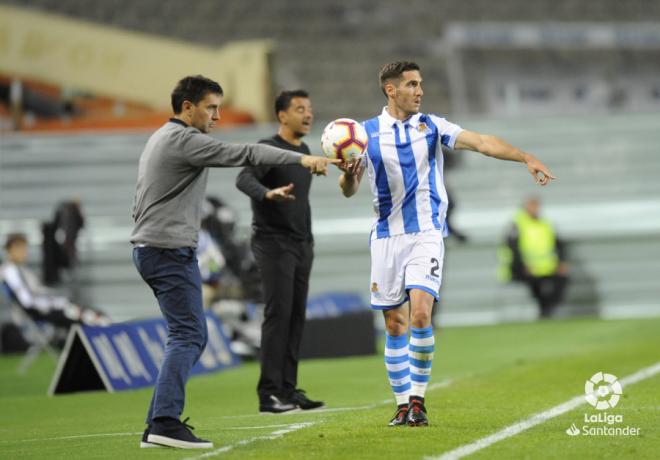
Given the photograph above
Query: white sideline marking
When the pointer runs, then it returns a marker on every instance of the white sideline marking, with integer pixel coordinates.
(274, 435)
(536, 419)
(79, 436)
(298, 426)
(259, 427)
(433, 386)
(105, 435)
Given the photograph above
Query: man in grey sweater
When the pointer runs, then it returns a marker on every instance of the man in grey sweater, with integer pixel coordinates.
(171, 183)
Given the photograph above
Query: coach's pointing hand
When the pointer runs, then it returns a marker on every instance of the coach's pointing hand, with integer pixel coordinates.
(317, 165)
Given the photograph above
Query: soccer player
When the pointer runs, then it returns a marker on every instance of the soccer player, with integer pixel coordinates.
(284, 250)
(171, 183)
(404, 165)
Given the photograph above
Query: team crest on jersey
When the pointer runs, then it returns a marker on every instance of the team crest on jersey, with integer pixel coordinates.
(422, 127)
(374, 287)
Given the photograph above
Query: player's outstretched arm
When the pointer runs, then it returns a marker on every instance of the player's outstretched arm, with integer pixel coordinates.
(317, 165)
(349, 181)
(495, 147)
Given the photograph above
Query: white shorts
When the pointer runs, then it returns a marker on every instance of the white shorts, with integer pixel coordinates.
(404, 262)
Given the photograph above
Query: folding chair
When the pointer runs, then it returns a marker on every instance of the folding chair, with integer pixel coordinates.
(38, 334)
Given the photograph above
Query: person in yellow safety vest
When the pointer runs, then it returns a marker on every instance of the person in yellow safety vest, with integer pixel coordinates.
(536, 256)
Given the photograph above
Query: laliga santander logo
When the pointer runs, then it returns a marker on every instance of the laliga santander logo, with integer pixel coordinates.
(602, 391)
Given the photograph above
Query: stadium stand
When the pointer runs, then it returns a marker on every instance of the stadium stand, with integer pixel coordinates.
(605, 203)
(316, 43)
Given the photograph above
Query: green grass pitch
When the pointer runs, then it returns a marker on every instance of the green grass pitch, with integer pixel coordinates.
(484, 379)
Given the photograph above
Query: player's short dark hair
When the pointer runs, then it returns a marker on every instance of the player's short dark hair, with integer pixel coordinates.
(15, 238)
(283, 101)
(193, 88)
(393, 71)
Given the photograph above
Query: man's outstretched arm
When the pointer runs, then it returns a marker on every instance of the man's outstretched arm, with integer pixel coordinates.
(495, 147)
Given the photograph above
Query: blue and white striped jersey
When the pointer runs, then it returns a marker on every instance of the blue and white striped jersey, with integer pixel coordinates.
(404, 164)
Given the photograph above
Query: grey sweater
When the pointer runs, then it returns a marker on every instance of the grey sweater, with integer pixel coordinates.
(172, 178)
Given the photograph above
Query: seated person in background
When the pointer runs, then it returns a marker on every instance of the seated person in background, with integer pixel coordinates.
(536, 256)
(37, 301)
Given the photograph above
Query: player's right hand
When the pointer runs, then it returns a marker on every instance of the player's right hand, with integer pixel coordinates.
(317, 165)
(350, 168)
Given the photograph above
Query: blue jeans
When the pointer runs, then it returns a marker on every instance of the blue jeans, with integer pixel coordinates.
(173, 275)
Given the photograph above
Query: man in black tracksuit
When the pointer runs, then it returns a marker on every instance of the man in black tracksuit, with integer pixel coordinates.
(283, 247)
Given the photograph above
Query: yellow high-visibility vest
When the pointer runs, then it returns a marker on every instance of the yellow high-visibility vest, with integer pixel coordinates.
(537, 244)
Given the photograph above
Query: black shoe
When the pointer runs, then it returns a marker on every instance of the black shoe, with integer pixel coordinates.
(275, 405)
(144, 444)
(401, 416)
(417, 412)
(300, 399)
(171, 432)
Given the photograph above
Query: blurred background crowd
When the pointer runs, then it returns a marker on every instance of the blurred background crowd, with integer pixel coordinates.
(82, 83)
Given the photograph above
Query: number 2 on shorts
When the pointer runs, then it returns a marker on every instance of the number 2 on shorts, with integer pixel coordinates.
(435, 267)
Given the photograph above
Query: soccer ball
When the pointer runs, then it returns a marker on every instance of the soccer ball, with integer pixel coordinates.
(344, 139)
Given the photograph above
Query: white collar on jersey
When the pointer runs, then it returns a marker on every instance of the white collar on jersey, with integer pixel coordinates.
(389, 120)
